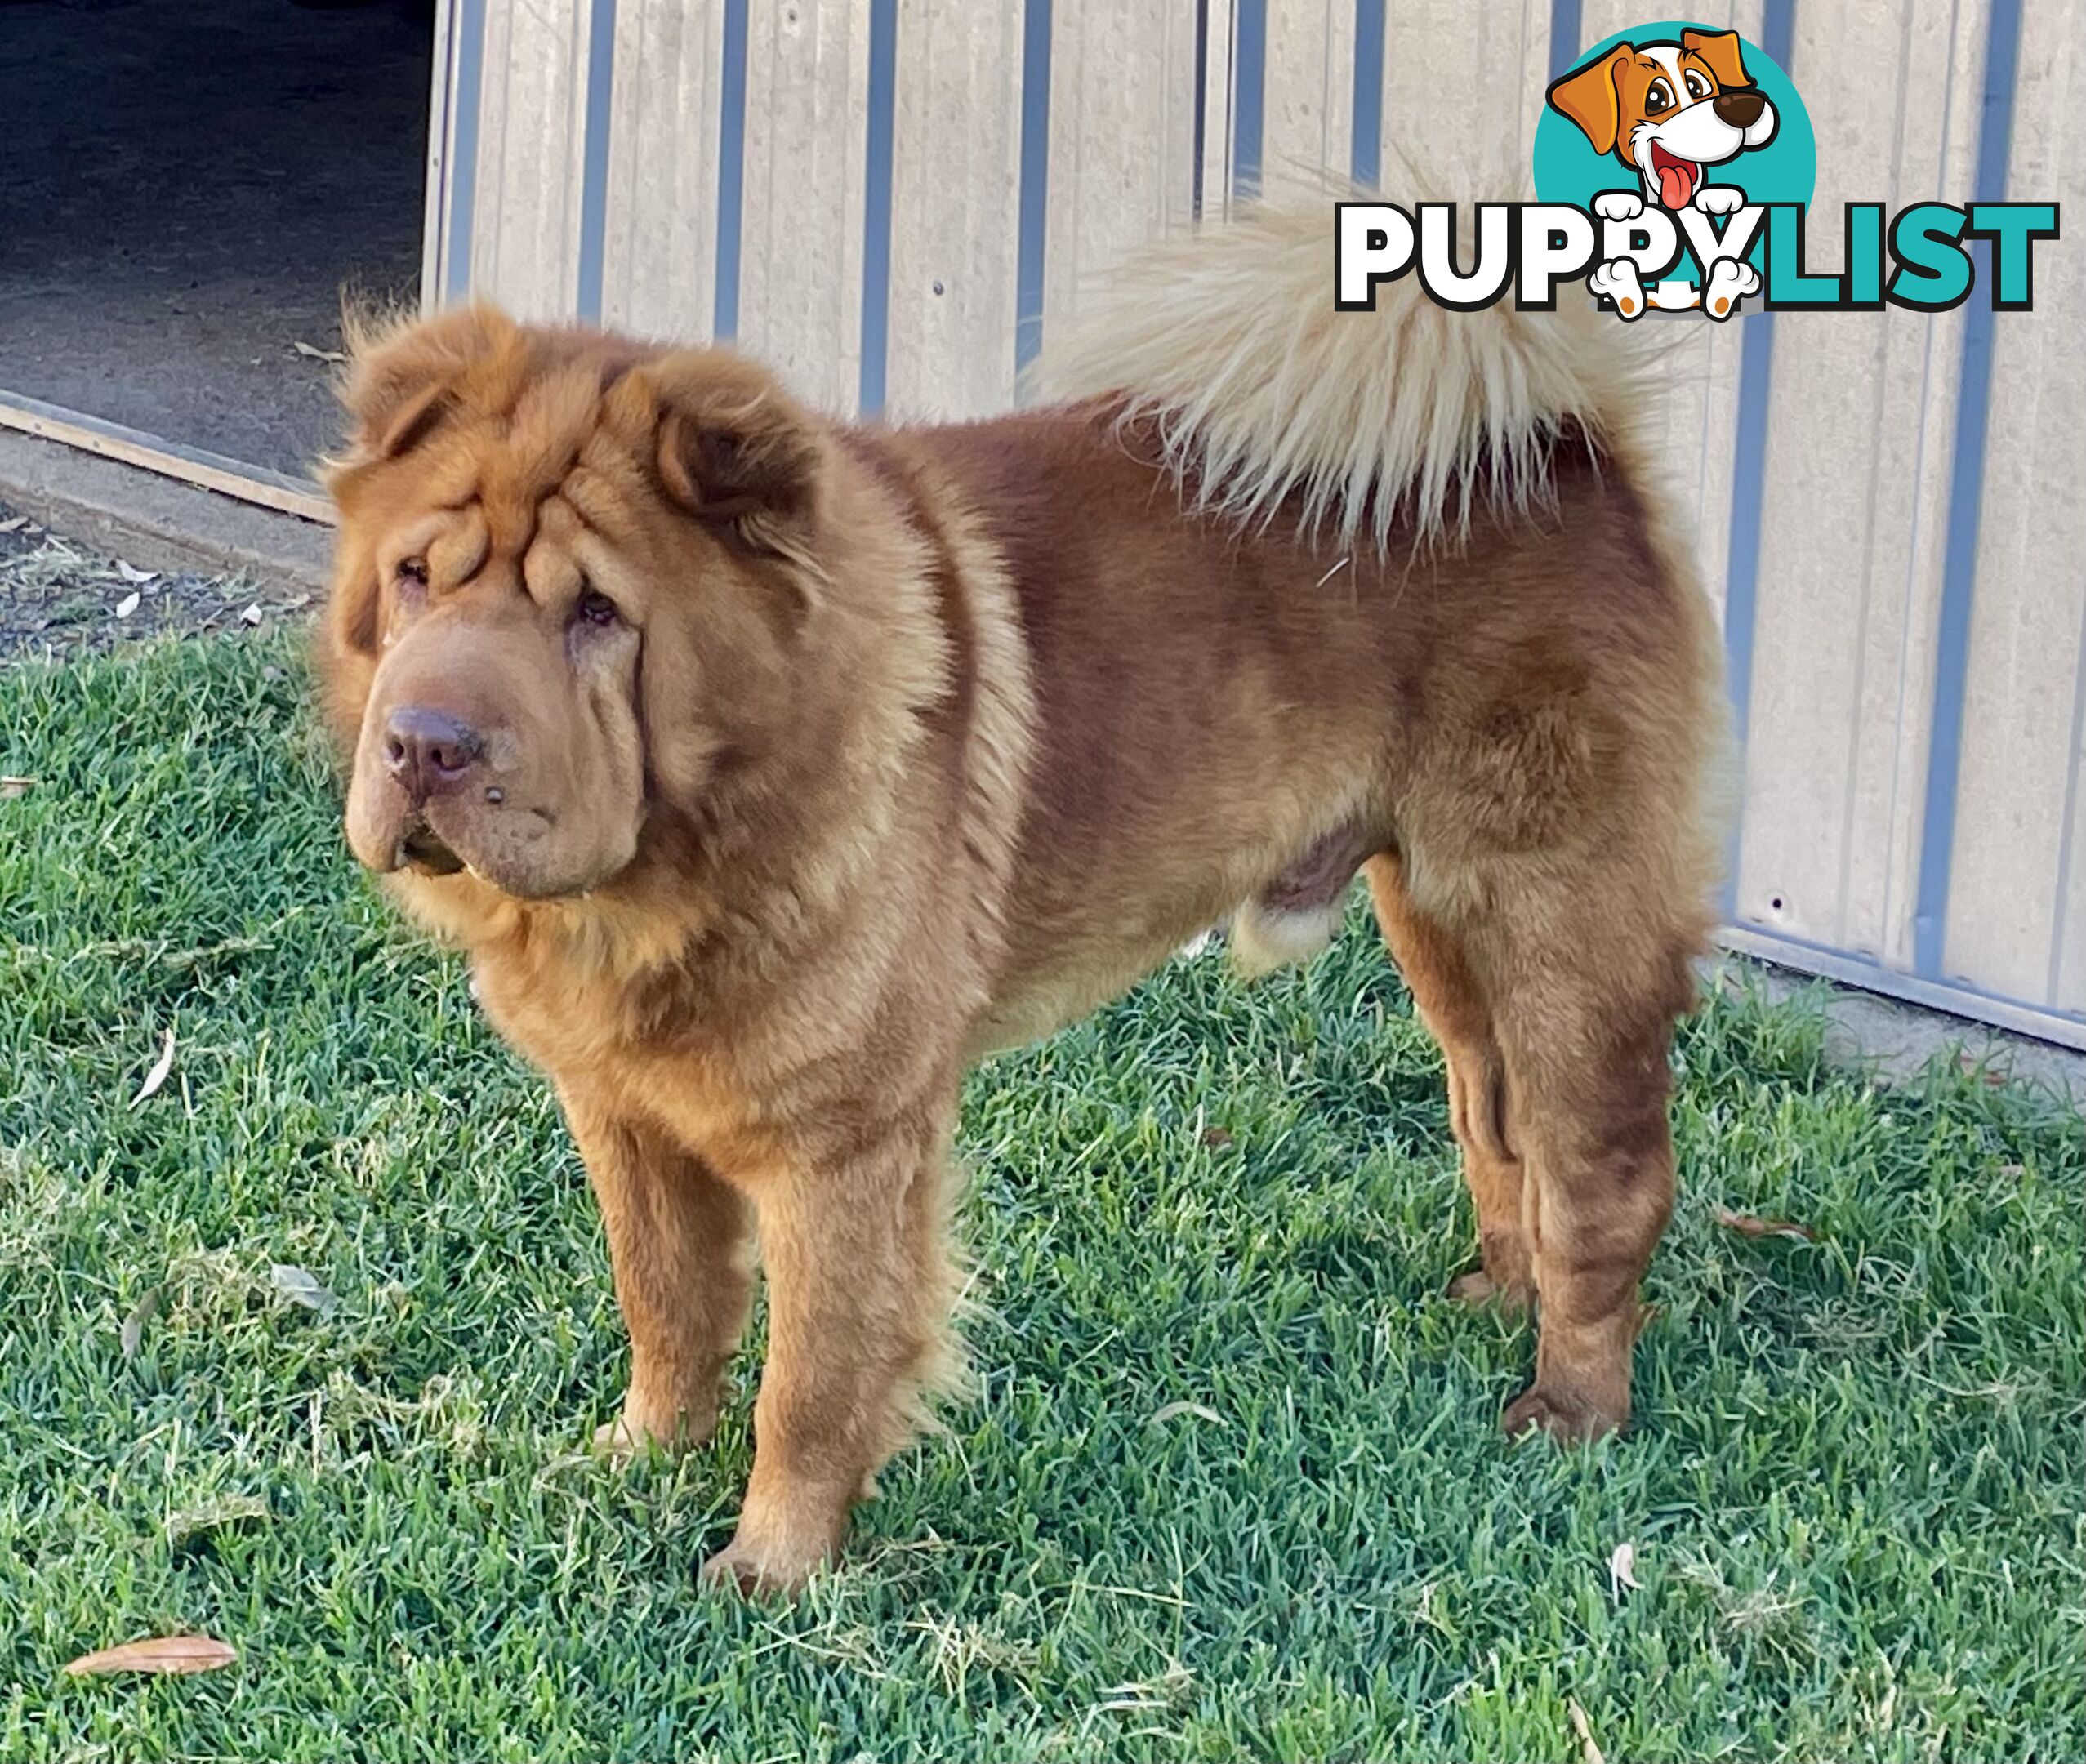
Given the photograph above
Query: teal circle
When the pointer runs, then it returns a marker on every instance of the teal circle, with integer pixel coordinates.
(1568, 169)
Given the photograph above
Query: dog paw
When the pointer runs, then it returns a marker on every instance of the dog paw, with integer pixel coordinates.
(623, 1439)
(1618, 205)
(1730, 281)
(1568, 1420)
(752, 1573)
(1617, 281)
(1477, 1288)
(1719, 199)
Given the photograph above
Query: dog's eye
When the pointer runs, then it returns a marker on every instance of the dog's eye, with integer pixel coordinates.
(1659, 97)
(410, 578)
(1697, 86)
(596, 607)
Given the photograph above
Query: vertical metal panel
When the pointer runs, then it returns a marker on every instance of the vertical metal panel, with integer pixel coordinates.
(593, 162)
(659, 244)
(1568, 33)
(1033, 218)
(1307, 106)
(1217, 43)
(955, 184)
(731, 171)
(2016, 919)
(1739, 600)
(1249, 94)
(1693, 426)
(441, 119)
(879, 152)
(1365, 104)
(1855, 507)
(1966, 507)
(807, 106)
(525, 241)
(1121, 134)
(463, 65)
(2067, 963)
(1462, 85)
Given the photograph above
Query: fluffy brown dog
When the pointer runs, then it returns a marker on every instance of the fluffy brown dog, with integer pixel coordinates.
(772, 770)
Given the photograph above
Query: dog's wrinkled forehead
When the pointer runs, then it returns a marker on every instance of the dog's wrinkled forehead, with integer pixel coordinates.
(473, 392)
(520, 462)
(481, 433)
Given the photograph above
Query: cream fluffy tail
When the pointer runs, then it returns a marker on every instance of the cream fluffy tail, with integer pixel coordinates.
(1226, 340)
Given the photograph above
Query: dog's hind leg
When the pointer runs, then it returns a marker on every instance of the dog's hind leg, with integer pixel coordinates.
(1455, 1014)
(679, 1242)
(1587, 967)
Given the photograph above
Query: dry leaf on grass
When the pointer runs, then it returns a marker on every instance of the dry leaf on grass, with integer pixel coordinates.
(251, 616)
(213, 1515)
(1174, 1410)
(158, 1076)
(1217, 1137)
(14, 524)
(1622, 1569)
(141, 1313)
(1980, 1067)
(301, 1286)
(127, 605)
(156, 1654)
(312, 352)
(1747, 1226)
(136, 577)
(1584, 1728)
(16, 787)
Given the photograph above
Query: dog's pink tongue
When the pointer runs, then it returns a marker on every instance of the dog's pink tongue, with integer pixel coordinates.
(1675, 185)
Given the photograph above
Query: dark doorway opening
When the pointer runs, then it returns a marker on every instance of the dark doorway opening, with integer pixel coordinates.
(188, 187)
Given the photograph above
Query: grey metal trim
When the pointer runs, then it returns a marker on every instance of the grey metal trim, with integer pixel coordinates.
(1956, 999)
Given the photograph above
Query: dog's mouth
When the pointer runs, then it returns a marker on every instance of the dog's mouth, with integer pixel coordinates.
(1677, 178)
(423, 852)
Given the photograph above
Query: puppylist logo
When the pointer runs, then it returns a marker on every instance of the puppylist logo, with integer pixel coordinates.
(1675, 169)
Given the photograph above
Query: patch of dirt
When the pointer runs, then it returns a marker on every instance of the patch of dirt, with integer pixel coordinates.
(60, 599)
(186, 187)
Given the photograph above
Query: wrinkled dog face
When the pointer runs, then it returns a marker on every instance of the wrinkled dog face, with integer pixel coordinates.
(569, 578)
(502, 731)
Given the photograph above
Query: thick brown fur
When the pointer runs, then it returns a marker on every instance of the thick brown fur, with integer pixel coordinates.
(780, 768)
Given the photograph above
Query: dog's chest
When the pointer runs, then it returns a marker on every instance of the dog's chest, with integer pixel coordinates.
(643, 1048)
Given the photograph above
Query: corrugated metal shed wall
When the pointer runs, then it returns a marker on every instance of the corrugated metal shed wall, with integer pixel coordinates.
(891, 200)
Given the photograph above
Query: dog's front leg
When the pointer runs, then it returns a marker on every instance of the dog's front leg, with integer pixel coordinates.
(853, 1241)
(678, 1243)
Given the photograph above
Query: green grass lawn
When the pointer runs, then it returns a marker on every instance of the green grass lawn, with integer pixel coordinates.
(1231, 1486)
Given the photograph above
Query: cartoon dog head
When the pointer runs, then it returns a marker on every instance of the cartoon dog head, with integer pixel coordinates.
(1669, 111)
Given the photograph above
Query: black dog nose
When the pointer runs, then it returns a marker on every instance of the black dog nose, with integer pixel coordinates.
(428, 751)
(1741, 109)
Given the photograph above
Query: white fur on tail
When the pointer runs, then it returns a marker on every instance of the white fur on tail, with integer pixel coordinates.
(1227, 339)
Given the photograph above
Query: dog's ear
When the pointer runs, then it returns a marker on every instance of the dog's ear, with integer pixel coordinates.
(735, 451)
(1592, 97)
(1720, 50)
(402, 380)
